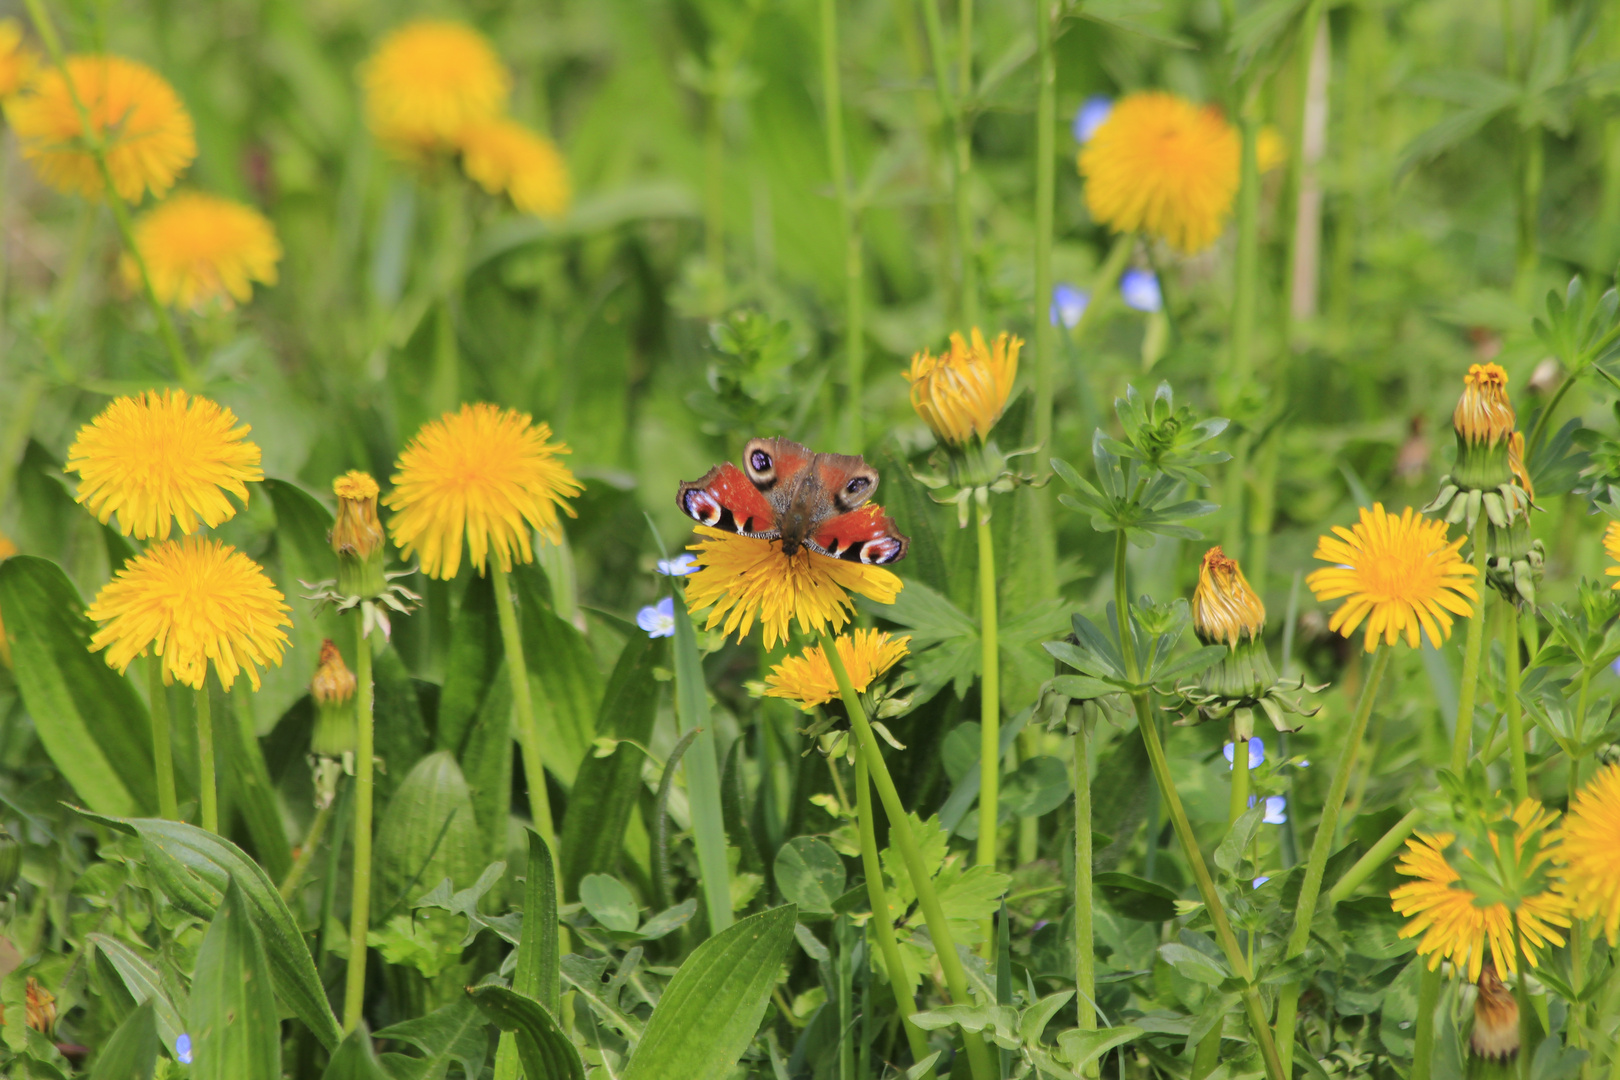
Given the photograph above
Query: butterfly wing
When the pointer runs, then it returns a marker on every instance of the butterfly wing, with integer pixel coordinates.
(866, 535)
(726, 499)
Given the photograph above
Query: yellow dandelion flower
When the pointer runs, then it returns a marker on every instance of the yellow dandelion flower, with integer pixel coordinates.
(1455, 925)
(192, 601)
(1163, 165)
(427, 81)
(148, 134)
(504, 157)
(1483, 413)
(1515, 457)
(1224, 607)
(1400, 571)
(1611, 547)
(961, 392)
(1589, 854)
(356, 531)
(743, 578)
(17, 61)
(161, 459)
(7, 550)
(808, 678)
(201, 249)
(481, 472)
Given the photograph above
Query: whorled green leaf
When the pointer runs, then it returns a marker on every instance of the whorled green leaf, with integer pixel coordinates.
(235, 1032)
(1080, 1048)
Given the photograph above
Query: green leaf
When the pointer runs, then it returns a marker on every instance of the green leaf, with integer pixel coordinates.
(193, 867)
(563, 674)
(455, 1033)
(1035, 1017)
(1080, 1047)
(235, 1032)
(401, 732)
(810, 874)
(131, 1053)
(711, 1009)
(1229, 856)
(1038, 786)
(355, 1059)
(610, 902)
(87, 716)
(143, 983)
(301, 552)
(917, 514)
(1193, 964)
(428, 834)
(471, 668)
(254, 793)
(702, 772)
(544, 1050)
(606, 789)
(1136, 898)
(486, 763)
(538, 972)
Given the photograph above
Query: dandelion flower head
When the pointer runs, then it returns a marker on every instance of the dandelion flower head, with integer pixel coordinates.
(1589, 855)
(483, 473)
(17, 61)
(1483, 413)
(148, 134)
(201, 249)
(158, 460)
(1224, 608)
(1454, 925)
(743, 579)
(961, 392)
(1611, 547)
(1399, 574)
(1165, 166)
(504, 157)
(428, 81)
(808, 678)
(192, 601)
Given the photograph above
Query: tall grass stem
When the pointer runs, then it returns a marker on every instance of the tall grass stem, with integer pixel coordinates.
(851, 434)
(528, 729)
(354, 986)
(208, 794)
(162, 746)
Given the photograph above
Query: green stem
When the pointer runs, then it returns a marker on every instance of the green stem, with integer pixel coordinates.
(714, 195)
(1527, 1017)
(1045, 198)
(989, 701)
(1376, 856)
(882, 925)
(306, 853)
(354, 990)
(1540, 426)
(852, 435)
(1208, 1054)
(1085, 946)
(900, 834)
(1423, 1034)
(1240, 779)
(1240, 365)
(19, 428)
(1508, 624)
(951, 105)
(445, 393)
(1321, 848)
(162, 748)
(1472, 647)
(517, 670)
(1148, 726)
(1577, 980)
(209, 786)
(1611, 1007)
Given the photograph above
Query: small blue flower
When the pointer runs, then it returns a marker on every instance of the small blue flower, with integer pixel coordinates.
(1259, 881)
(679, 566)
(658, 619)
(1068, 305)
(182, 1049)
(1276, 810)
(1140, 290)
(1257, 752)
(1090, 116)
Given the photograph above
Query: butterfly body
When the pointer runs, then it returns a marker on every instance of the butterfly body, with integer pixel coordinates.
(787, 492)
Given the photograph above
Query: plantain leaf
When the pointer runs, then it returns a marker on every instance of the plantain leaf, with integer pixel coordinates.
(544, 1050)
(143, 983)
(470, 673)
(566, 682)
(131, 1053)
(235, 1033)
(429, 833)
(712, 1007)
(539, 959)
(355, 1059)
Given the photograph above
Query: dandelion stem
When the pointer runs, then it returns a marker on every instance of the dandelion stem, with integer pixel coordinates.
(1321, 848)
(517, 670)
(1508, 623)
(852, 435)
(989, 703)
(209, 793)
(1375, 857)
(1472, 647)
(967, 271)
(1240, 363)
(1045, 181)
(1148, 726)
(1240, 779)
(1423, 1033)
(1085, 948)
(306, 853)
(162, 748)
(881, 926)
(939, 928)
(354, 989)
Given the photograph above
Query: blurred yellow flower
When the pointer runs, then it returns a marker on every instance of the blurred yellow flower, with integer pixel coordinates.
(744, 578)
(192, 601)
(427, 82)
(808, 678)
(1455, 925)
(1611, 546)
(7, 550)
(484, 472)
(1224, 608)
(1163, 165)
(147, 132)
(1400, 571)
(961, 392)
(158, 460)
(1270, 148)
(1589, 855)
(504, 157)
(1483, 413)
(200, 249)
(17, 61)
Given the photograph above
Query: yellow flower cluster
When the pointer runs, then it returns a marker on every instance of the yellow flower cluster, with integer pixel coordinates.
(808, 678)
(201, 249)
(437, 88)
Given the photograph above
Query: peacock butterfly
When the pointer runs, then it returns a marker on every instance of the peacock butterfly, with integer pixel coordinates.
(790, 493)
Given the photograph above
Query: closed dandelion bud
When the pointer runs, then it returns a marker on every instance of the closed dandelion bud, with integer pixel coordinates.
(960, 394)
(1225, 609)
(357, 536)
(1489, 475)
(10, 861)
(1496, 1019)
(41, 1007)
(333, 688)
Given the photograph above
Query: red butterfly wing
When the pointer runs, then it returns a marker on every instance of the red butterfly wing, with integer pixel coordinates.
(726, 499)
(867, 535)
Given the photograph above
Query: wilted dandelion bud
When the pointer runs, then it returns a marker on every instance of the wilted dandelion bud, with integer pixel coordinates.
(1224, 607)
(332, 689)
(1496, 1019)
(41, 1007)
(1489, 474)
(357, 536)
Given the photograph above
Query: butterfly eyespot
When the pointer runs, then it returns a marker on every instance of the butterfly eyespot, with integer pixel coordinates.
(857, 485)
(760, 460)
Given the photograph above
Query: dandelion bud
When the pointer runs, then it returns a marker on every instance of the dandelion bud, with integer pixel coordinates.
(41, 1007)
(357, 536)
(1496, 1019)
(333, 690)
(1489, 475)
(1483, 413)
(1224, 607)
(961, 392)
